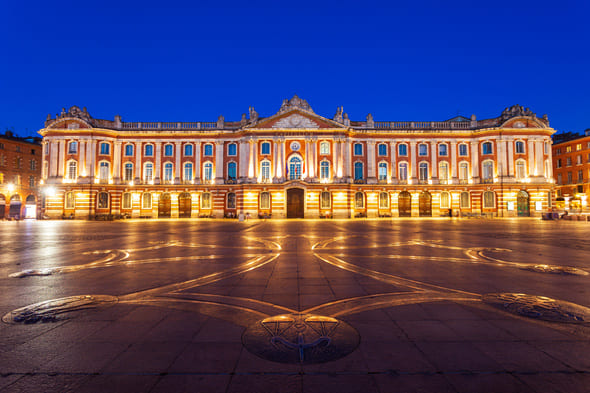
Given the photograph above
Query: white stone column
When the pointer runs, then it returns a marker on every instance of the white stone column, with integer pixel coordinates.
(335, 163)
(539, 170)
(62, 160)
(275, 159)
(255, 160)
(282, 162)
(454, 161)
(510, 160)
(117, 163)
(414, 164)
(138, 154)
(371, 176)
(91, 160)
(531, 157)
(53, 159)
(219, 162)
(243, 166)
(433, 161)
(314, 158)
(393, 169)
(82, 159)
(251, 159)
(177, 168)
(158, 163)
(475, 161)
(347, 161)
(501, 157)
(197, 175)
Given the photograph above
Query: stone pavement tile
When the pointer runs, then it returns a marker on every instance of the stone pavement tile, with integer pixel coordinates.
(8, 379)
(399, 356)
(575, 354)
(112, 313)
(59, 383)
(321, 282)
(520, 356)
(409, 312)
(531, 331)
(71, 331)
(267, 383)
(480, 330)
(217, 330)
(192, 384)
(557, 382)
(380, 331)
(250, 363)
(145, 314)
(207, 357)
(370, 315)
(344, 291)
(26, 358)
(118, 384)
(457, 356)
(427, 383)
(85, 357)
(249, 291)
(340, 383)
(305, 289)
(285, 300)
(174, 330)
(449, 310)
(486, 383)
(428, 331)
(146, 357)
(14, 335)
(352, 363)
(307, 301)
(122, 332)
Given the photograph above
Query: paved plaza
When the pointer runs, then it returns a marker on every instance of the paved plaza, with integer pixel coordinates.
(402, 305)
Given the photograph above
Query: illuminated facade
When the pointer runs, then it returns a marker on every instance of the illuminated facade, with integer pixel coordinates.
(296, 163)
(571, 167)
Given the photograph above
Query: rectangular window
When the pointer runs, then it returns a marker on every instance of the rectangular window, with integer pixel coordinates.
(569, 178)
(32, 182)
(168, 150)
(232, 149)
(18, 148)
(208, 150)
(568, 149)
(559, 179)
(325, 200)
(569, 161)
(557, 151)
(358, 149)
(33, 165)
(265, 148)
(422, 149)
(149, 150)
(402, 149)
(105, 148)
(73, 148)
(558, 163)
(579, 160)
(382, 149)
(206, 200)
(188, 150)
(442, 150)
(128, 150)
(580, 176)
(126, 200)
(578, 147)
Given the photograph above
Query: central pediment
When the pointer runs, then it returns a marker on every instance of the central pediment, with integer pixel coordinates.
(295, 121)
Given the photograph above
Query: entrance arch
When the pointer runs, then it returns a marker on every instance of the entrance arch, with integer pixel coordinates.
(2, 206)
(31, 207)
(404, 204)
(425, 204)
(184, 205)
(295, 202)
(15, 205)
(522, 204)
(164, 205)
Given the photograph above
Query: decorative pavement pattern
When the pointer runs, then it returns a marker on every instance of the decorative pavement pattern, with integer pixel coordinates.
(324, 332)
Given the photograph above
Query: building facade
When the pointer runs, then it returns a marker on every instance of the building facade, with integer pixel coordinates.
(571, 167)
(297, 164)
(20, 172)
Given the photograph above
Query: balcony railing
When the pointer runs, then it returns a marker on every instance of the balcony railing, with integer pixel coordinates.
(360, 181)
(487, 181)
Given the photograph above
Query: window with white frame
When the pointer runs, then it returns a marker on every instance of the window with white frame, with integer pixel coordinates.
(72, 170)
(73, 148)
(104, 171)
(403, 171)
(443, 150)
(359, 200)
(231, 170)
(168, 172)
(445, 200)
(325, 200)
(188, 150)
(402, 149)
(358, 171)
(443, 171)
(422, 149)
(265, 148)
(128, 172)
(463, 149)
(168, 150)
(105, 148)
(488, 170)
(208, 150)
(464, 203)
(382, 149)
(102, 200)
(265, 170)
(148, 150)
(126, 203)
(520, 169)
(231, 200)
(232, 150)
(519, 147)
(70, 200)
(188, 172)
(128, 150)
(324, 148)
(206, 200)
(489, 200)
(358, 149)
(383, 200)
(208, 171)
(324, 170)
(265, 200)
(146, 200)
(486, 148)
(148, 172)
(463, 171)
(294, 168)
(423, 171)
(382, 171)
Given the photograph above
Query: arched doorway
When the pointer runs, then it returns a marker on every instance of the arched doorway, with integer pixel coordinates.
(31, 207)
(425, 204)
(2, 206)
(522, 204)
(404, 204)
(15, 205)
(184, 205)
(164, 205)
(295, 202)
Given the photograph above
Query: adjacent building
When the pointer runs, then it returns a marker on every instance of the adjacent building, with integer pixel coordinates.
(297, 164)
(571, 166)
(20, 172)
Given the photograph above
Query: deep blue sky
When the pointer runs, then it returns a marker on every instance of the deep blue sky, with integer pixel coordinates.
(195, 60)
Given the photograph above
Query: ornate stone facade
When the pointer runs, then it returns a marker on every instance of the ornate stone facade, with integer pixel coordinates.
(296, 163)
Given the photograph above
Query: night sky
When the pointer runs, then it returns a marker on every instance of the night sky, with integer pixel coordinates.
(192, 61)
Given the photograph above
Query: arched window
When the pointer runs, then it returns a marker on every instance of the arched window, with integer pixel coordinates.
(73, 148)
(359, 200)
(324, 170)
(104, 171)
(403, 171)
(265, 170)
(208, 150)
(519, 147)
(383, 200)
(464, 200)
(520, 170)
(442, 149)
(489, 199)
(128, 173)
(488, 171)
(423, 171)
(486, 148)
(188, 172)
(231, 170)
(146, 200)
(168, 150)
(105, 148)
(72, 170)
(402, 149)
(206, 200)
(422, 149)
(382, 171)
(148, 172)
(358, 149)
(325, 200)
(188, 150)
(445, 200)
(102, 200)
(463, 149)
(232, 149)
(265, 148)
(324, 148)
(295, 168)
(443, 172)
(168, 172)
(126, 202)
(208, 171)
(128, 150)
(358, 171)
(382, 149)
(148, 150)
(463, 172)
(264, 201)
(70, 200)
(231, 200)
